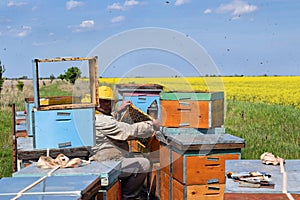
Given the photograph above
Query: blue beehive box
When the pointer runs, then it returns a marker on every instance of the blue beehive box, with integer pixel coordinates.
(51, 187)
(146, 97)
(63, 128)
(108, 171)
(29, 104)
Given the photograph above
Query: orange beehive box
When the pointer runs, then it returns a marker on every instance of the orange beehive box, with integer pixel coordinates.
(165, 159)
(112, 194)
(192, 169)
(154, 184)
(200, 158)
(192, 110)
(196, 192)
(165, 186)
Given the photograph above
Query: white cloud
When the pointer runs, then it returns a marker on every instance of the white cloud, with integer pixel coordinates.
(73, 4)
(207, 11)
(24, 31)
(117, 19)
(181, 2)
(131, 3)
(115, 6)
(123, 7)
(83, 26)
(127, 4)
(236, 8)
(16, 32)
(87, 24)
(16, 4)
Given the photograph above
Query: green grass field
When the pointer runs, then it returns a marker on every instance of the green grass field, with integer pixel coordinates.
(5, 144)
(272, 128)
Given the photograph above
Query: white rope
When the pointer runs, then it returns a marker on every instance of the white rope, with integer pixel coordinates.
(20, 193)
(290, 196)
(284, 181)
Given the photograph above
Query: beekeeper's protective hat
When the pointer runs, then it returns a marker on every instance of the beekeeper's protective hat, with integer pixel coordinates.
(105, 92)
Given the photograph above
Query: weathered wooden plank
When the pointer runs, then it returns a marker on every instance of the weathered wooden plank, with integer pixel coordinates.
(93, 75)
(25, 150)
(79, 152)
(22, 133)
(63, 59)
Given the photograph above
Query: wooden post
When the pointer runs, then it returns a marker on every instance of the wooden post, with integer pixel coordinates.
(36, 84)
(93, 70)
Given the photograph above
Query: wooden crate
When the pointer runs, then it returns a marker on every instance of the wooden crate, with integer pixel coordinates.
(165, 186)
(154, 182)
(165, 159)
(153, 149)
(191, 169)
(113, 193)
(195, 192)
(192, 110)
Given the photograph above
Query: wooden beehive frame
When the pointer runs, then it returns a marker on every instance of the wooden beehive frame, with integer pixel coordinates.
(133, 115)
(93, 76)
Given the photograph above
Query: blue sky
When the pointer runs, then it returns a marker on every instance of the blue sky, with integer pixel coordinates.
(242, 37)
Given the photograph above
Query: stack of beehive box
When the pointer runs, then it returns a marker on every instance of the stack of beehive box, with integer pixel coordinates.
(192, 162)
(146, 98)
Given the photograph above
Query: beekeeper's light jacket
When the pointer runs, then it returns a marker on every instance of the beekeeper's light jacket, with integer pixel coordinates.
(112, 137)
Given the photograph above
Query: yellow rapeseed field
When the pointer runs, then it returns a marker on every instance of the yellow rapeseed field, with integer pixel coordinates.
(271, 90)
(281, 90)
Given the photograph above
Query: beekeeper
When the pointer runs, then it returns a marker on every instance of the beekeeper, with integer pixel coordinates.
(111, 142)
